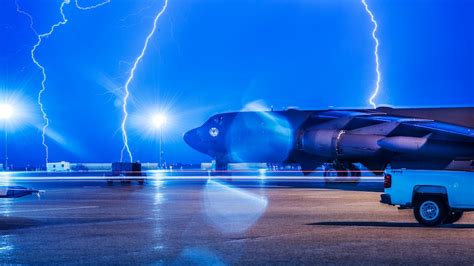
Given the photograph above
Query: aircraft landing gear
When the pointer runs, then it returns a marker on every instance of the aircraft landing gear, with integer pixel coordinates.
(341, 172)
(221, 169)
(354, 170)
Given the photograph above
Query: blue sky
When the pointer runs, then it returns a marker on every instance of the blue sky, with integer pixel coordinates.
(211, 56)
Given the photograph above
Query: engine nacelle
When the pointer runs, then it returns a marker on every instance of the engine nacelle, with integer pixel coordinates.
(339, 144)
(321, 142)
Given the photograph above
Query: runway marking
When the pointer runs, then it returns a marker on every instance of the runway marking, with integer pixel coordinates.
(51, 209)
(183, 177)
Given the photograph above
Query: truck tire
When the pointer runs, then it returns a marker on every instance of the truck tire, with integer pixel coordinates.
(453, 217)
(430, 211)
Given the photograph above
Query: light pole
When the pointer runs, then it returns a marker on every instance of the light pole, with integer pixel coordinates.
(5, 167)
(6, 112)
(159, 120)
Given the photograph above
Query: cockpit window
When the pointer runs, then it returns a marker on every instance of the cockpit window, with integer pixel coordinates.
(214, 125)
(218, 120)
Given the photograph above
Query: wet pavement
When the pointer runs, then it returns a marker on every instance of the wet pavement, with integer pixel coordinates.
(221, 221)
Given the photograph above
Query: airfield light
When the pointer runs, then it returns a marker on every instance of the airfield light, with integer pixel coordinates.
(6, 111)
(262, 173)
(159, 120)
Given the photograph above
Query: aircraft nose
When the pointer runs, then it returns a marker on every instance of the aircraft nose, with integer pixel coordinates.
(191, 138)
(196, 139)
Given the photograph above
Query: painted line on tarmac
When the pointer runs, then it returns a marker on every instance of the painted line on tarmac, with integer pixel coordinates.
(51, 209)
(164, 178)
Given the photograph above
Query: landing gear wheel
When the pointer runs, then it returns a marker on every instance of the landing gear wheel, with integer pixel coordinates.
(355, 171)
(347, 173)
(453, 217)
(430, 211)
(221, 169)
(333, 171)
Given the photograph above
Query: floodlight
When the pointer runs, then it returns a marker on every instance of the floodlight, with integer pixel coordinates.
(6, 111)
(159, 120)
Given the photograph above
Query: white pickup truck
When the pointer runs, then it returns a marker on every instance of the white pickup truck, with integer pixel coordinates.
(437, 196)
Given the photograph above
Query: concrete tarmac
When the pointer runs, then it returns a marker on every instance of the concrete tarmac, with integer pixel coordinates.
(221, 222)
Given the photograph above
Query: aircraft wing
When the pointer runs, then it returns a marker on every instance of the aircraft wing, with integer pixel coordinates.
(433, 130)
(17, 192)
(443, 131)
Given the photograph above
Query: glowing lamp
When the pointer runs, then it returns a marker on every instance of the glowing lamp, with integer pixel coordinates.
(6, 111)
(159, 120)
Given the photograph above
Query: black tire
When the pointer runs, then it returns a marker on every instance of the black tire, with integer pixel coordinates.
(355, 172)
(344, 173)
(431, 211)
(333, 172)
(221, 169)
(453, 217)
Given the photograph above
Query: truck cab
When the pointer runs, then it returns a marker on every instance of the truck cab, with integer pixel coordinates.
(436, 196)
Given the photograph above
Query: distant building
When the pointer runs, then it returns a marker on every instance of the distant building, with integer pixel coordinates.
(235, 166)
(246, 166)
(85, 167)
(58, 167)
(149, 166)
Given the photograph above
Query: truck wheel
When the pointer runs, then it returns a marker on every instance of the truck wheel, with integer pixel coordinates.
(453, 217)
(430, 211)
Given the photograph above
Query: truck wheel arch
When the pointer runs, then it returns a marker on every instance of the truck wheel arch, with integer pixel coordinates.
(422, 191)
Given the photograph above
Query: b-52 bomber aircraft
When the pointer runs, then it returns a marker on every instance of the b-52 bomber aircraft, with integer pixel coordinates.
(413, 138)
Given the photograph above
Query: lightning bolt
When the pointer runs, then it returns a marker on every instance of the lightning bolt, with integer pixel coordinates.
(91, 7)
(126, 147)
(376, 54)
(19, 10)
(40, 38)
